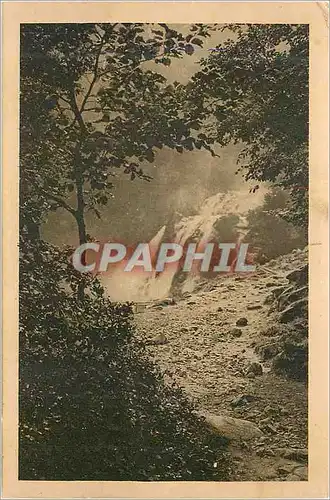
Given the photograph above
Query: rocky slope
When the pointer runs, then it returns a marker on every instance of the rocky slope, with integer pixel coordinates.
(228, 345)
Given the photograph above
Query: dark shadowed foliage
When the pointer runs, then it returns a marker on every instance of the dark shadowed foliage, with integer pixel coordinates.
(92, 407)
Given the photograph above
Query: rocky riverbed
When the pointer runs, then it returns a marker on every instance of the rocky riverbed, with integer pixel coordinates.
(219, 344)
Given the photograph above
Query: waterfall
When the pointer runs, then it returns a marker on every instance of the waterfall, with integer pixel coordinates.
(146, 286)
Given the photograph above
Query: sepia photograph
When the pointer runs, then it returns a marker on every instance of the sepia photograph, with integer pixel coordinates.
(164, 248)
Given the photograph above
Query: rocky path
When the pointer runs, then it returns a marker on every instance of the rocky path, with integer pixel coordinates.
(206, 343)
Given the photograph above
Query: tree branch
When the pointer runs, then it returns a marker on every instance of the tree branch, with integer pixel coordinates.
(60, 201)
(95, 75)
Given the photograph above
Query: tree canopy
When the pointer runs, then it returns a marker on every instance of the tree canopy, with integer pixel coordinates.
(253, 89)
(89, 107)
(92, 405)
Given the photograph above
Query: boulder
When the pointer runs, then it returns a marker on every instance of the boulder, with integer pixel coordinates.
(241, 322)
(234, 429)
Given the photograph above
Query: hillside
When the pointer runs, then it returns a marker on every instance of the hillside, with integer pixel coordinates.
(228, 345)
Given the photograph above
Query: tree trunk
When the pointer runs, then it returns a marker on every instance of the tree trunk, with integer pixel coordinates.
(80, 218)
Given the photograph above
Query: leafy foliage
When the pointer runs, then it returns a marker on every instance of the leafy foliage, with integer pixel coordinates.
(271, 233)
(292, 360)
(91, 106)
(92, 406)
(225, 228)
(254, 90)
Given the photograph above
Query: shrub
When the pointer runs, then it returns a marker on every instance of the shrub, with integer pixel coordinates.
(292, 359)
(92, 405)
(270, 232)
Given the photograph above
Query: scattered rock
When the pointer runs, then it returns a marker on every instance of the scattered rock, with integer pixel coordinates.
(235, 332)
(269, 300)
(268, 351)
(255, 368)
(218, 337)
(242, 400)
(165, 302)
(241, 322)
(284, 470)
(218, 382)
(265, 452)
(293, 477)
(298, 474)
(270, 429)
(302, 472)
(265, 421)
(269, 410)
(233, 429)
(160, 339)
(261, 440)
(272, 475)
(298, 454)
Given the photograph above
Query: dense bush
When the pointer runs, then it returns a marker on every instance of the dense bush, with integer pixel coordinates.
(92, 406)
(292, 359)
(287, 349)
(270, 232)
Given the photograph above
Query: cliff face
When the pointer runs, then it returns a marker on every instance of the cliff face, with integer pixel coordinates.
(237, 346)
(288, 348)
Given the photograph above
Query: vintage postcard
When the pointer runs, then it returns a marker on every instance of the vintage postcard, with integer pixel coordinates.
(165, 274)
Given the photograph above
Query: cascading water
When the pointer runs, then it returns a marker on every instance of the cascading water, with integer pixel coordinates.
(147, 286)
